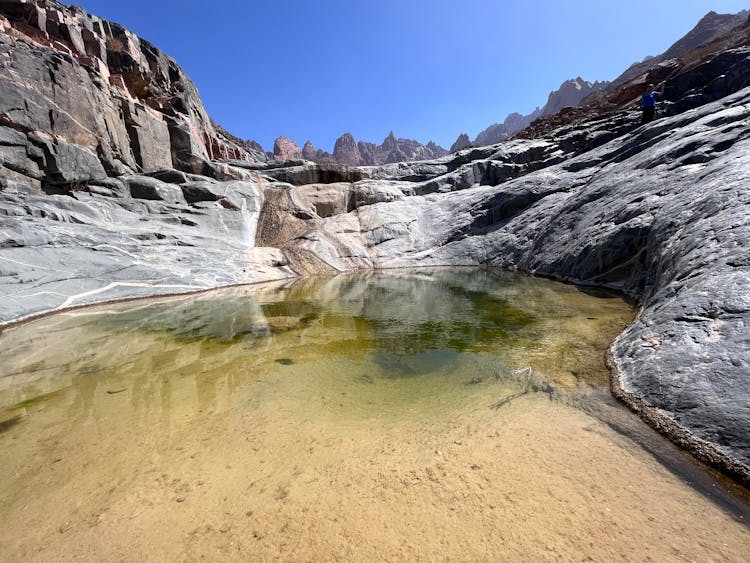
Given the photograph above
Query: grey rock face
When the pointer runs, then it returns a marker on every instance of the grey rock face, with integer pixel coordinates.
(571, 93)
(462, 142)
(143, 187)
(711, 27)
(499, 132)
(308, 151)
(89, 245)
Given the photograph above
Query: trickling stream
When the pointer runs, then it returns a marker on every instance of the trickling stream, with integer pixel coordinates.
(407, 415)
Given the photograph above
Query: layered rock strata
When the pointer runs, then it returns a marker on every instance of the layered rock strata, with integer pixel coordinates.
(660, 212)
(86, 99)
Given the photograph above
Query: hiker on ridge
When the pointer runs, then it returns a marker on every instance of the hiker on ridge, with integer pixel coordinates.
(649, 103)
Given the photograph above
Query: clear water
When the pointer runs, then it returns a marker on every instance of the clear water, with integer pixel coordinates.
(405, 415)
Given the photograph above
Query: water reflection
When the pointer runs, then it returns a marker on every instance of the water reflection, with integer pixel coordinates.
(407, 322)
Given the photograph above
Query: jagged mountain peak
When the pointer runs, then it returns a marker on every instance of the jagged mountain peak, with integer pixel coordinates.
(347, 150)
(570, 93)
(708, 28)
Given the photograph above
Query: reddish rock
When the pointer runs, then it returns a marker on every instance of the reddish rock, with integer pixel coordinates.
(345, 151)
(286, 149)
(308, 151)
(116, 95)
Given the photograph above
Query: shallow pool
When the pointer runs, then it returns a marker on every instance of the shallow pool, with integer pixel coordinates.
(403, 415)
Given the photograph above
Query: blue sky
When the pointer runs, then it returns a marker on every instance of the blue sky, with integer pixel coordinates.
(426, 69)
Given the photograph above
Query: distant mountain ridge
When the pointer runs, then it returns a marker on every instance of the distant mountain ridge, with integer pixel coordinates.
(570, 93)
(359, 153)
(714, 34)
(709, 28)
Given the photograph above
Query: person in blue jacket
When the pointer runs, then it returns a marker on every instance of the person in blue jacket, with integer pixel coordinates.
(649, 104)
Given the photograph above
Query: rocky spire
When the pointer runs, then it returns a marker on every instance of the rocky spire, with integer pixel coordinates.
(285, 149)
(390, 143)
(346, 151)
(308, 151)
(462, 142)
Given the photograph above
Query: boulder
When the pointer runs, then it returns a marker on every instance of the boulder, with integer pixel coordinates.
(143, 187)
(201, 190)
(12, 138)
(169, 176)
(64, 163)
(324, 200)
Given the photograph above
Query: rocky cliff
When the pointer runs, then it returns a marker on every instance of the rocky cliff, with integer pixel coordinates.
(82, 99)
(710, 28)
(660, 212)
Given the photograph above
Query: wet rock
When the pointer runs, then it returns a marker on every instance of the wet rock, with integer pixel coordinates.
(283, 324)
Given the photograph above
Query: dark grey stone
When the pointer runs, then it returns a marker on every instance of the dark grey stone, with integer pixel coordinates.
(169, 176)
(144, 187)
(201, 191)
(11, 137)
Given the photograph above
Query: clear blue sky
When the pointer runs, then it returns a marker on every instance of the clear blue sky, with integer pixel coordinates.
(428, 69)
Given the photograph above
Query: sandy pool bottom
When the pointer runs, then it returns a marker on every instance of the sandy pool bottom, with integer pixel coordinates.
(533, 480)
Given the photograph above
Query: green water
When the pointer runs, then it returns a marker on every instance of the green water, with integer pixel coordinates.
(446, 329)
(187, 425)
